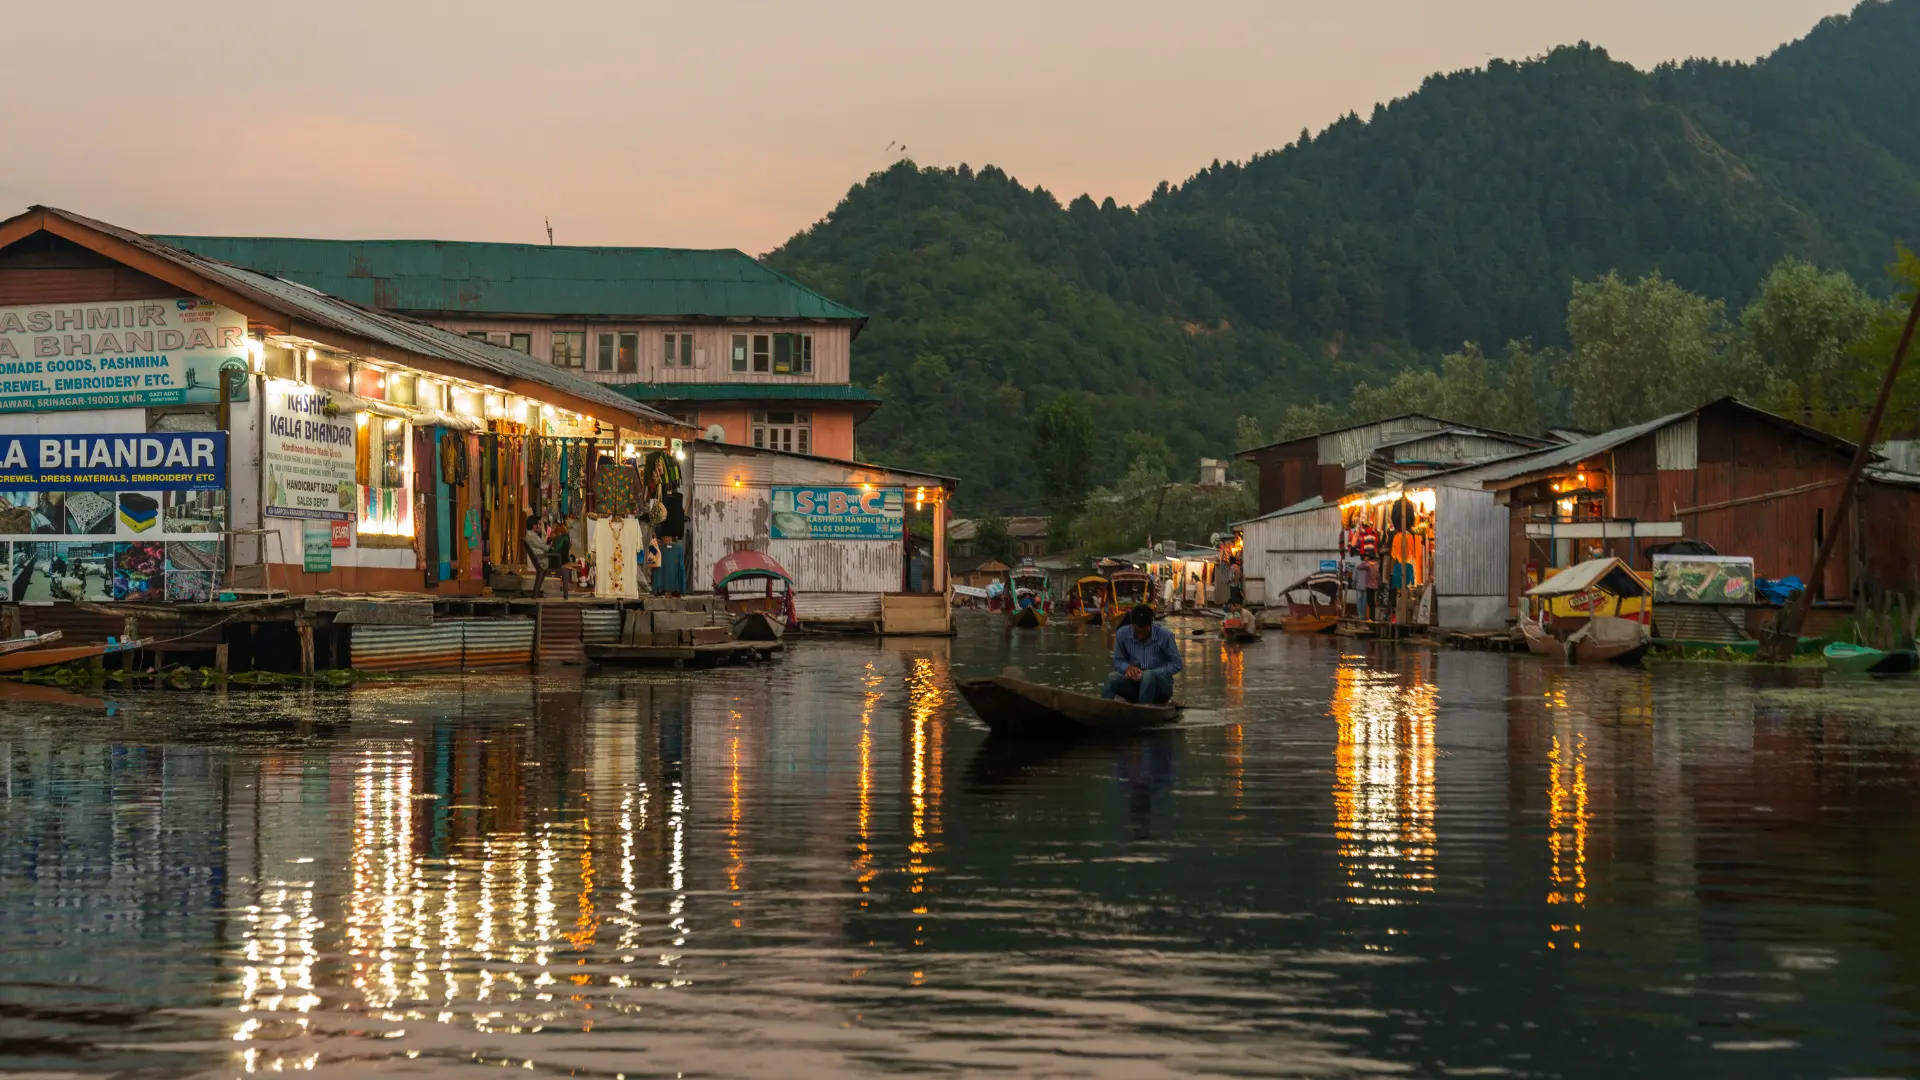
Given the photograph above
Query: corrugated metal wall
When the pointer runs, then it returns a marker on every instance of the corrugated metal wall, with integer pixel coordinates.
(1470, 533)
(873, 566)
(836, 607)
(1677, 446)
(600, 625)
(455, 645)
(1280, 551)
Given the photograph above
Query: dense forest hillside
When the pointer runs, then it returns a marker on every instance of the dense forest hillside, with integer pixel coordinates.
(1464, 212)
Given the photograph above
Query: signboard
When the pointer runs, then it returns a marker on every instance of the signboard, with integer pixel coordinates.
(307, 452)
(342, 534)
(838, 513)
(1703, 579)
(1329, 566)
(160, 461)
(103, 356)
(316, 547)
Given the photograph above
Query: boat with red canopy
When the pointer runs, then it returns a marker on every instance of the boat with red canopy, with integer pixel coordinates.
(764, 617)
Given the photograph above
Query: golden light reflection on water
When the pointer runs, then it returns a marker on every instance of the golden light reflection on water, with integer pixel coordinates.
(924, 698)
(1568, 819)
(863, 870)
(1383, 783)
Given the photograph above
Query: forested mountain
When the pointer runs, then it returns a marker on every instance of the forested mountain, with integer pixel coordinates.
(1463, 212)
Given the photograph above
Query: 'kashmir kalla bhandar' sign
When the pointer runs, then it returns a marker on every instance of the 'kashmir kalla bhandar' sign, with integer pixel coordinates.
(307, 451)
(838, 513)
(160, 461)
(102, 356)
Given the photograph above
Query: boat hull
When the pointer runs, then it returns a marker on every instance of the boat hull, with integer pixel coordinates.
(1016, 708)
(1844, 659)
(1027, 619)
(1309, 624)
(759, 626)
(29, 659)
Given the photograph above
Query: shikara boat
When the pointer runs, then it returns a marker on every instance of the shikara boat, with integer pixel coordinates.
(1026, 618)
(1312, 604)
(1579, 625)
(1095, 594)
(1844, 658)
(755, 618)
(1013, 707)
(1130, 589)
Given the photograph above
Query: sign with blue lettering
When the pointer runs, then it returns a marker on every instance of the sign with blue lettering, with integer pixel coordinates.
(838, 513)
(106, 355)
(158, 461)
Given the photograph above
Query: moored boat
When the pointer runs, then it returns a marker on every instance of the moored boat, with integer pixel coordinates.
(28, 659)
(1095, 596)
(755, 618)
(1017, 708)
(1845, 658)
(1312, 604)
(1577, 623)
(1239, 627)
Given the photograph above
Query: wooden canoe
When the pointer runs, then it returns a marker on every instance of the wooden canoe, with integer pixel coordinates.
(1309, 624)
(13, 645)
(1845, 658)
(28, 659)
(1017, 708)
(1027, 618)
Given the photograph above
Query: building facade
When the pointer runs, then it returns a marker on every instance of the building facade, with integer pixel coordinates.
(710, 337)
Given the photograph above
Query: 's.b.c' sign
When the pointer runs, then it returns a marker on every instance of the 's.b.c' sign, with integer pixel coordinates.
(838, 513)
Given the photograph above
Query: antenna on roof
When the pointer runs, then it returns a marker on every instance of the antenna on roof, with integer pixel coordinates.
(549, 222)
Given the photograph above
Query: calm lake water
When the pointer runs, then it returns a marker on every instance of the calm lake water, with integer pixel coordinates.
(1351, 860)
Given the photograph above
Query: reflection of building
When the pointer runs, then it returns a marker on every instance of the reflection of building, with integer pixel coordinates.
(1383, 784)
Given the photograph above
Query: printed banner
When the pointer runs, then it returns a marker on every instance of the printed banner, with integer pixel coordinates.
(307, 452)
(160, 461)
(102, 356)
(838, 513)
(316, 547)
(1703, 579)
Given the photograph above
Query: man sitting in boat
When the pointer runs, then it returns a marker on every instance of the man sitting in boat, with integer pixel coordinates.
(1145, 660)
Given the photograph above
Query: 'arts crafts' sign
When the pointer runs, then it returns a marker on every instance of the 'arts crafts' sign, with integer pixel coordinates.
(101, 356)
(161, 461)
(308, 454)
(838, 513)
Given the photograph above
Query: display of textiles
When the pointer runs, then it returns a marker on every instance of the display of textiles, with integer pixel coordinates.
(139, 512)
(86, 510)
(616, 488)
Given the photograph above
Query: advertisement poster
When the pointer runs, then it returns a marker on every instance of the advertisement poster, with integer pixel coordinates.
(307, 454)
(102, 355)
(96, 518)
(316, 547)
(1703, 579)
(838, 513)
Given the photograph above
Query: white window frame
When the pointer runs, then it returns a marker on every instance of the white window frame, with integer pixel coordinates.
(676, 349)
(575, 359)
(781, 429)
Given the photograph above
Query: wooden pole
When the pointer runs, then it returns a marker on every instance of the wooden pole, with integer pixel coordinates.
(1780, 641)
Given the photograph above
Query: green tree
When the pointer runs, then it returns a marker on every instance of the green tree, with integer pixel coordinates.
(1805, 327)
(992, 538)
(1247, 434)
(1063, 448)
(1648, 348)
(1309, 419)
(1871, 355)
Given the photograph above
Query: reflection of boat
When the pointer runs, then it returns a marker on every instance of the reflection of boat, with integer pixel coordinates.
(1582, 627)
(1095, 594)
(1013, 707)
(1313, 604)
(1844, 658)
(756, 618)
(29, 659)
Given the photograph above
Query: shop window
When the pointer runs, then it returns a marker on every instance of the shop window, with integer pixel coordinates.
(570, 348)
(788, 431)
(679, 351)
(384, 471)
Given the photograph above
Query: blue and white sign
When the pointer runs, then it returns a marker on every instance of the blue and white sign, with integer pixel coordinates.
(1329, 566)
(107, 355)
(838, 513)
(159, 461)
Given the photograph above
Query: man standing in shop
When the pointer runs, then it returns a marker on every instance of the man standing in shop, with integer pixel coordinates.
(1145, 660)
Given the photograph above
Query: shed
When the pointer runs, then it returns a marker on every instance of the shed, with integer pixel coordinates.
(1280, 548)
(848, 567)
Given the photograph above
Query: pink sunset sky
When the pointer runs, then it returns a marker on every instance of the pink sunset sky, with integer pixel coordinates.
(722, 123)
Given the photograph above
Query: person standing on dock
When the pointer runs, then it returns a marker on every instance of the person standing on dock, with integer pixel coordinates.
(1145, 660)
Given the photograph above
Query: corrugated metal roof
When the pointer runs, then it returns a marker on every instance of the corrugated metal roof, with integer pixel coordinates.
(1439, 424)
(1575, 452)
(308, 303)
(529, 279)
(746, 392)
(1313, 502)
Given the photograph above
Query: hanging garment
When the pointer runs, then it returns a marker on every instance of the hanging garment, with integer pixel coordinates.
(615, 541)
(616, 489)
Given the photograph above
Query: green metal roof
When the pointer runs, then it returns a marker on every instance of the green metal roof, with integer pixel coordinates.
(441, 276)
(708, 391)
